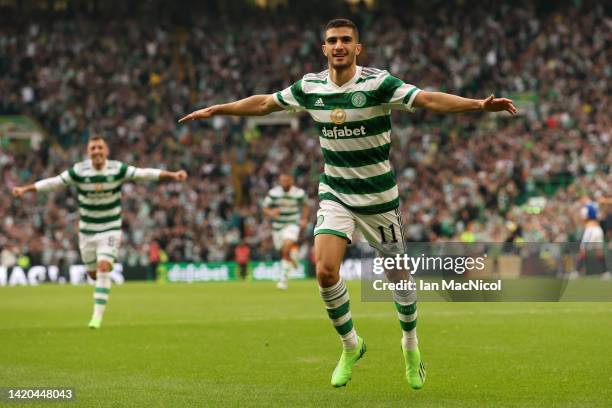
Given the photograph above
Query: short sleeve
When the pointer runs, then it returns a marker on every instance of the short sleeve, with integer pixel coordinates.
(302, 197)
(396, 94)
(267, 202)
(291, 98)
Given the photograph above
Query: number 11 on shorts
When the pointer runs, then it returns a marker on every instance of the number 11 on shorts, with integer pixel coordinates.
(383, 238)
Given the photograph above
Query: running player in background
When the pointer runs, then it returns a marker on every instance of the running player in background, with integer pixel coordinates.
(591, 257)
(283, 205)
(351, 106)
(593, 233)
(98, 182)
(606, 212)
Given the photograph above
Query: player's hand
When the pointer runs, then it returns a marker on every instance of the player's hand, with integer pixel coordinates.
(303, 224)
(18, 191)
(180, 175)
(199, 114)
(493, 104)
(275, 212)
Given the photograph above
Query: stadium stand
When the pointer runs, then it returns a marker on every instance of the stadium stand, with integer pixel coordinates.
(461, 177)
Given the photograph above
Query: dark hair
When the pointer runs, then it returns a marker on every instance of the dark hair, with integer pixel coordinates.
(342, 22)
(286, 171)
(96, 137)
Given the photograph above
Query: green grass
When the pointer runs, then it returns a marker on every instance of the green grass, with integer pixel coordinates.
(246, 344)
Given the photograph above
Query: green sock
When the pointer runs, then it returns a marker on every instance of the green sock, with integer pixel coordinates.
(337, 303)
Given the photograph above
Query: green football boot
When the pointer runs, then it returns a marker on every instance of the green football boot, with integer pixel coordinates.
(415, 370)
(95, 323)
(344, 370)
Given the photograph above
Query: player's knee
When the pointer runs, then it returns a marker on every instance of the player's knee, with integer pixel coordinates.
(286, 251)
(327, 273)
(104, 266)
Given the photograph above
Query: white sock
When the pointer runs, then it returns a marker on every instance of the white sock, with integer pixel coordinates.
(101, 293)
(405, 303)
(286, 267)
(410, 340)
(294, 255)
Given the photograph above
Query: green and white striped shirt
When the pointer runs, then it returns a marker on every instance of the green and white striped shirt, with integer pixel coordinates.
(99, 192)
(290, 204)
(354, 123)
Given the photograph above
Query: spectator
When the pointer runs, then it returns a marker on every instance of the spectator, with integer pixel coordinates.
(242, 256)
(129, 81)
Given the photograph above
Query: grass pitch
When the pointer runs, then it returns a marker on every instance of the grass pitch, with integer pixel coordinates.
(247, 344)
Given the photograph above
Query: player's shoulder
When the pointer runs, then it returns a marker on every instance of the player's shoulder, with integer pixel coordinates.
(116, 167)
(372, 76)
(373, 72)
(315, 82)
(276, 191)
(297, 192)
(82, 166)
(114, 164)
(316, 77)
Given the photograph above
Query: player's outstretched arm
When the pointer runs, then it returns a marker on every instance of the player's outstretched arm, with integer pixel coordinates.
(48, 184)
(137, 173)
(448, 103)
(179, 176)
(256, 105)
(19, 191)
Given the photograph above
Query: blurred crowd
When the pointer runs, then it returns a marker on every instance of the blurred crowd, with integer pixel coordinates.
(461, 177)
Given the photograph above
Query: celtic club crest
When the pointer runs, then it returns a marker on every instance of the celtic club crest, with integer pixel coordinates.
(320, 219)
(358, 99)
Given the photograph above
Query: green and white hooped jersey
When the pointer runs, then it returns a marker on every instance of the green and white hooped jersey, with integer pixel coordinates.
(99, 194)
(290, 204)
(354, 123)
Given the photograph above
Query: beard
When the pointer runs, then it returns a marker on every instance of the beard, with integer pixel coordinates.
(98, 161)
(348, 62)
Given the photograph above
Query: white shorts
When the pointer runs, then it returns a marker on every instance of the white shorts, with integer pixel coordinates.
(384, 231)
(289, 233)
(99, 247)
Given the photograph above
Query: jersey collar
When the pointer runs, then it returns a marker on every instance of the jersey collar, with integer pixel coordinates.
(348, 83)
(103, 167)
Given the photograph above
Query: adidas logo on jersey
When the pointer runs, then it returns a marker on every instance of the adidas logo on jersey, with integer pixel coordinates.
(319, 102)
